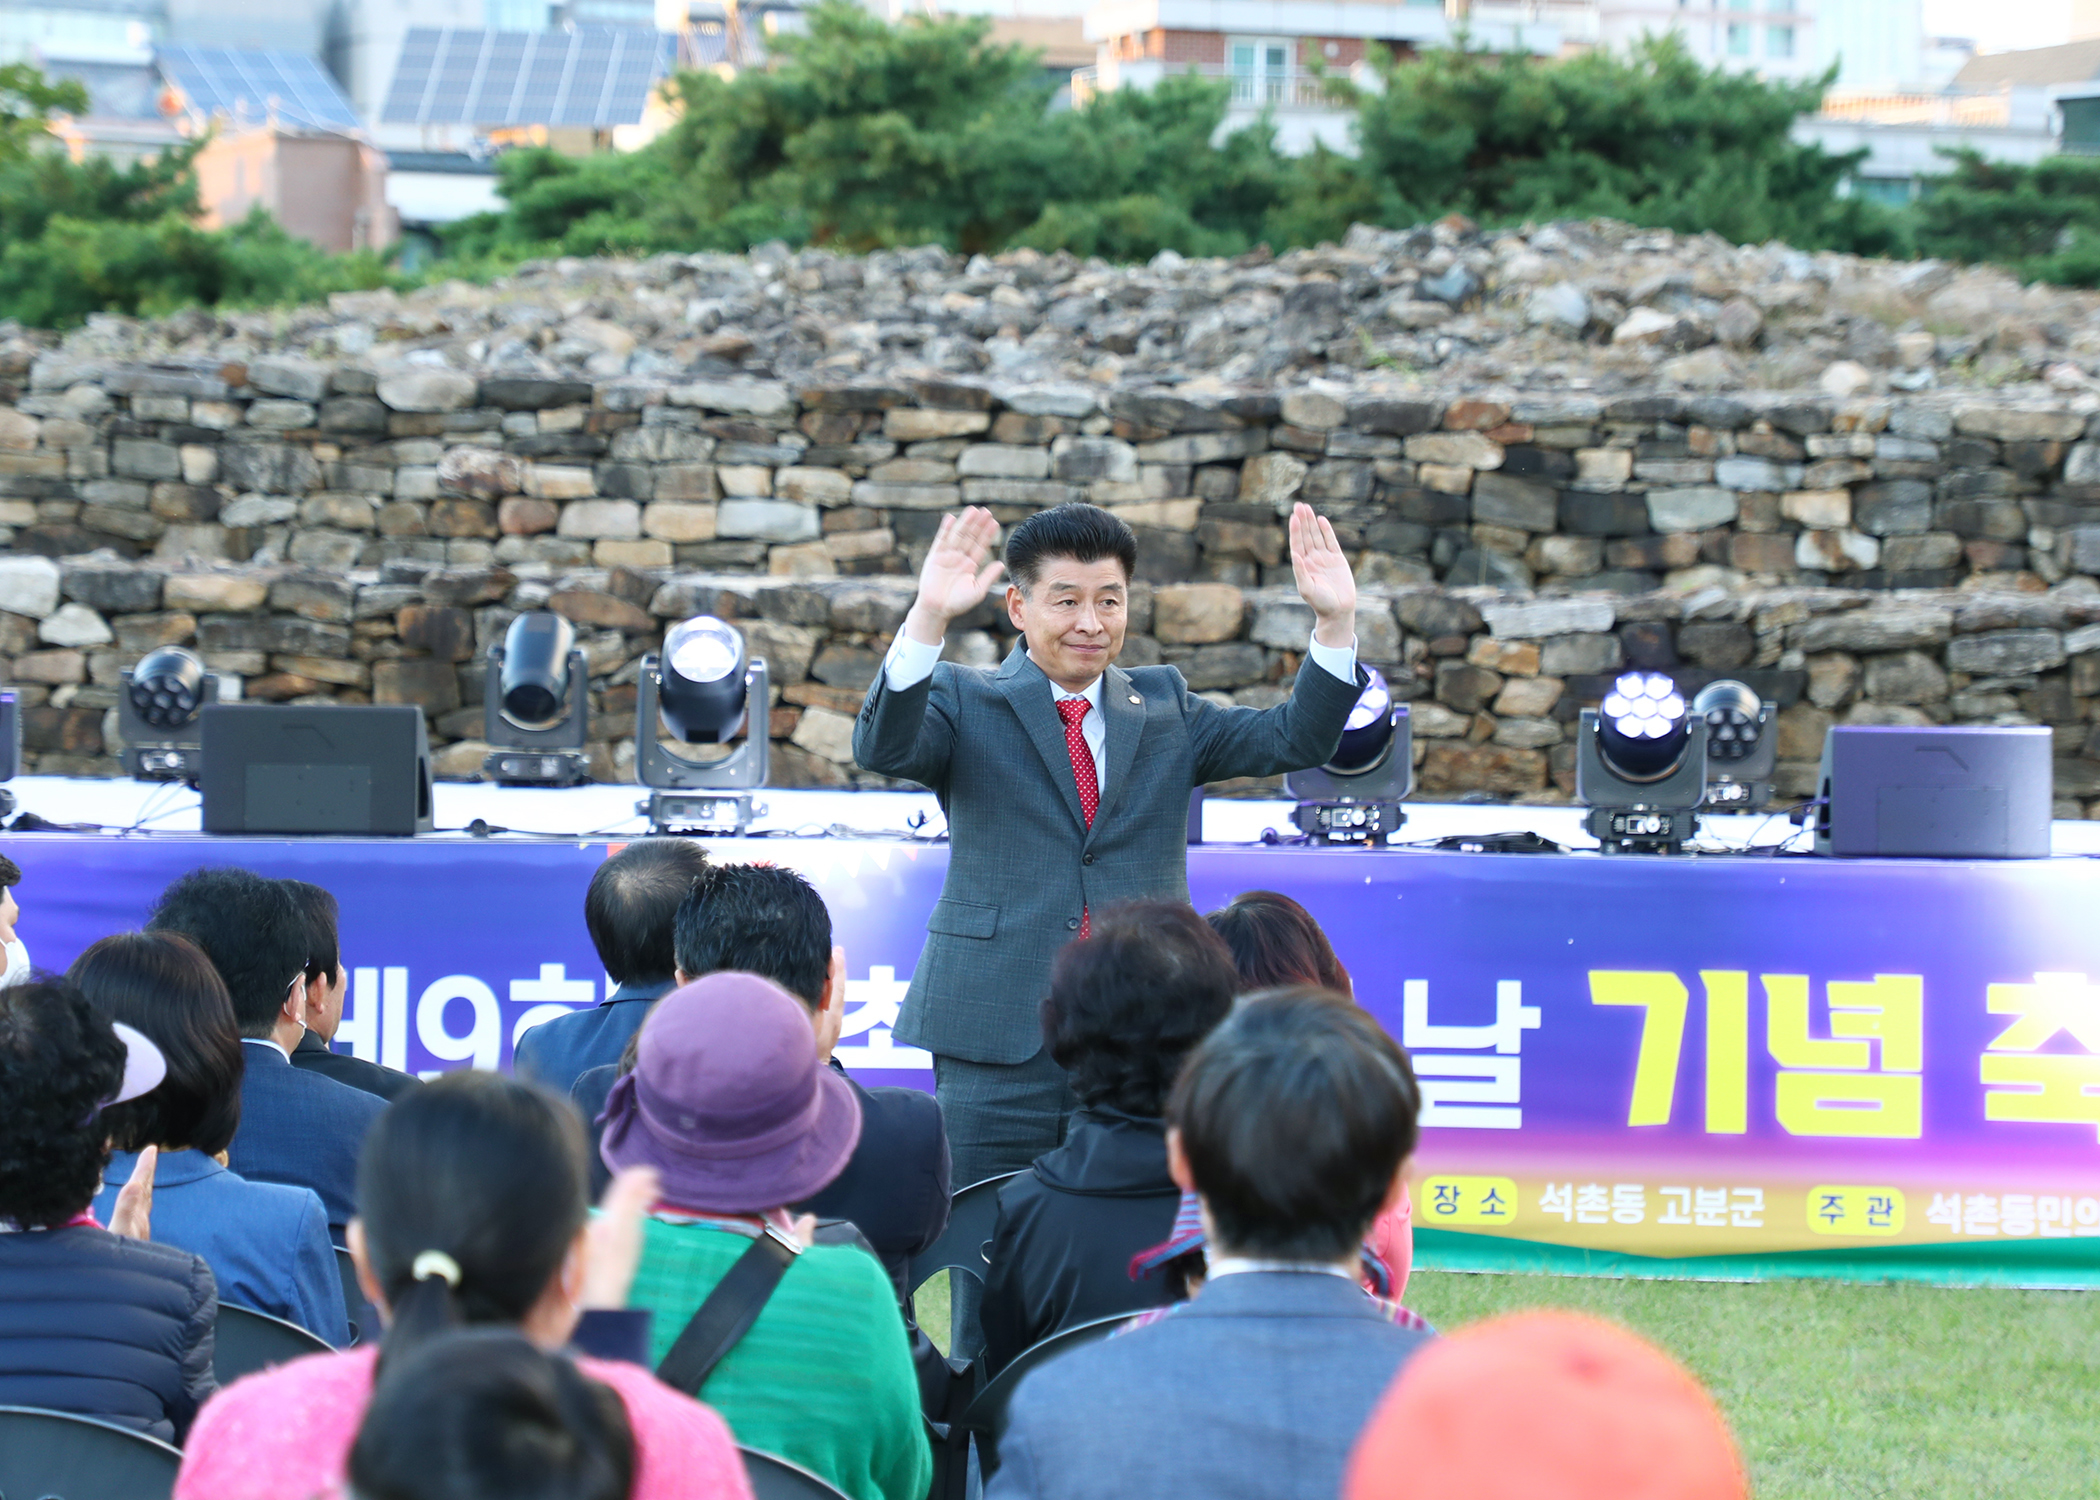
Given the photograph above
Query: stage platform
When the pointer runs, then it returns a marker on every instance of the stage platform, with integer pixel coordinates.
(1748, 1064)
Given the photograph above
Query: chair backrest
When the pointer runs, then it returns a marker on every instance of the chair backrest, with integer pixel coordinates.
(246, 1341)
(774, 1478)
(972, 1217)
(986, 1417)
(363, 1316)
(54, 1455)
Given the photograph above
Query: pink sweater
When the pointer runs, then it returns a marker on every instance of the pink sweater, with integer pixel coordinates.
(285, 1434)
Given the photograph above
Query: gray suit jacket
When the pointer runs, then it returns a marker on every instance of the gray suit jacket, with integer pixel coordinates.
(1022, 864)
(1254, 1391)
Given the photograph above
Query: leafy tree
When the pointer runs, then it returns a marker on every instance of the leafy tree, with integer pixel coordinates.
(2042, 221)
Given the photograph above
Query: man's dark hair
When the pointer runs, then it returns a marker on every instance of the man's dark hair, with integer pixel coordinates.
(1127, 1003)
(59, 1061)
(1085, 533)
(250, 929)
(318, 909)
(1295, 1116)
(1276, 942)
(10, 873)
(161, 985)
(484, 1415)
(632, 907)
(757, 919)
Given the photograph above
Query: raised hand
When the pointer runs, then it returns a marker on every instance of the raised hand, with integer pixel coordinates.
(1321, 570)
(955, 577)
(133, 1215)
(613, 1248)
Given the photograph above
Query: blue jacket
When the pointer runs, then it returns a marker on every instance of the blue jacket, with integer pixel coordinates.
(267, 1245)
(557, 1052)
(101, 1326)
(1256, 1390)
(302, 1130)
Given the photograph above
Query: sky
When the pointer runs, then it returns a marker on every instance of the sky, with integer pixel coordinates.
(2000, 25)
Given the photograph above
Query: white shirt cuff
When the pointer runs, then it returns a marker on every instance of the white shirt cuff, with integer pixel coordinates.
(911, 662)
(1340, 661)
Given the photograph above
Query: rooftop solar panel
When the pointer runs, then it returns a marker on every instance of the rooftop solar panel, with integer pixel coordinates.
(254, 86)
(598, 76)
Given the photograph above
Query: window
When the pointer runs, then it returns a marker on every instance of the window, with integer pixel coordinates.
(1779, 41)
(1738, 41)
(1260, 68)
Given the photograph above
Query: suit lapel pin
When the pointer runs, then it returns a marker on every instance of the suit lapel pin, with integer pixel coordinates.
(1134, 698)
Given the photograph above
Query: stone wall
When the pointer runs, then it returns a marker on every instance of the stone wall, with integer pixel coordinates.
(361, 531)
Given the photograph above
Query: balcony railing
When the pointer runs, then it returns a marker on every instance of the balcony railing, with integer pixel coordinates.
(1275, 90)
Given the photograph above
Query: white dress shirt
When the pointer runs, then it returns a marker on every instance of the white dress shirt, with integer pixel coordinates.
(911, 662)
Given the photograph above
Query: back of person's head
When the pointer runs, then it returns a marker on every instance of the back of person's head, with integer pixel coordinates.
(477, 1176)
(162, 985)
(757, 919)
(1275, 942)
(323, 919)
(59, 1063)
(249, 928)
(1605, 1415)
(632, 907)
(485, 1415)
(10, 873)
(1295, 1117)
(1085, 533)
(1127, 1003)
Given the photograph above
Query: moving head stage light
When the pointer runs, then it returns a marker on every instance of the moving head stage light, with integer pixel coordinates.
(1640, 766)
(159, 714)
(1741, 748)
(536, 710)
(1355, 797)
(704, 687)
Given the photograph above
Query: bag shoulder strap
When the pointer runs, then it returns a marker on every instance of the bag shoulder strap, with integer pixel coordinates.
(728, 1313)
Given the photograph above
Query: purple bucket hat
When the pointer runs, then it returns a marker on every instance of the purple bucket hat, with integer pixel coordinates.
(729, 1100)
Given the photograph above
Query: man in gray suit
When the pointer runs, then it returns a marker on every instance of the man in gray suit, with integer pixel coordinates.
(1065, 779)
(1292, 1123)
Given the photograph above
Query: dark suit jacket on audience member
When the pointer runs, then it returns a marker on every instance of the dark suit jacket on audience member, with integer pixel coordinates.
(301, 1128)
(316, 1056)
(894, 1188)
(101, 1326)
(1256, 1390)
(1067, 1230)
(558, 1052)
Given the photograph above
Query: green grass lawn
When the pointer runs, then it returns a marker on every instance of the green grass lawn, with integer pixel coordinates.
(1842, 1392)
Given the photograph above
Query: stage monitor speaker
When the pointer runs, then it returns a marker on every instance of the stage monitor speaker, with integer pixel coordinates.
(284, 769)
(10, 735)
(1973, 792)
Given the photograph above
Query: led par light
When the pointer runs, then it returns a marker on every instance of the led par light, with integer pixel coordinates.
(535, 705)
(158, 713)
(1742, 748)
(1640, 766)
(1355, 797)
(705, 687)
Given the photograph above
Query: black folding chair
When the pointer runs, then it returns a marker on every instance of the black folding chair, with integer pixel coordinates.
(774, 1478)
(363, 1316)
(966, 1243)
(54, 1455)
(246, 1341)
(986, 1418)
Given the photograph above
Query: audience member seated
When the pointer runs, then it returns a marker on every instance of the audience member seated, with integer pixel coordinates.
(484, 1415)
(769, 921)
(1276, 943)
(1292, 1122)
(631, 910)
(96, 1322)
(1546, 1406)
(731, 1102)
(474, 1213)
(1125, 1006)
(11, 942)
(326, 982)
(267, 1244)
(296, 1127)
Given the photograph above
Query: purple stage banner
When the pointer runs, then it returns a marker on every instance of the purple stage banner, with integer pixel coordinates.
(1684, 1060)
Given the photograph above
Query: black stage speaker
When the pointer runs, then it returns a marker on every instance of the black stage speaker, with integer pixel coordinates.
(10, 736)
(1977, 792)
(335, 769)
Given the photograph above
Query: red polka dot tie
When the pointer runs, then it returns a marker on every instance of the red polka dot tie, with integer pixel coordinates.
(1073, 712)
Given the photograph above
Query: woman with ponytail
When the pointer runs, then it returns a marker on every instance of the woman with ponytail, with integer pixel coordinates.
(472, 1213)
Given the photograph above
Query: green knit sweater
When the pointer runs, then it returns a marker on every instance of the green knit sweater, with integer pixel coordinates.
(824, 1378)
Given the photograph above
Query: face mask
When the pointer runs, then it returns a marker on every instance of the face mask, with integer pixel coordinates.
(17, 964)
